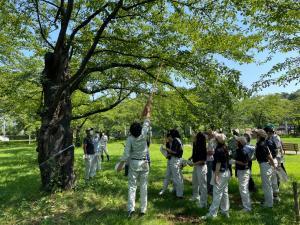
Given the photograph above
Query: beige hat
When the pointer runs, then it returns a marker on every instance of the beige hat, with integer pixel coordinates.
(261, 133)
(220, 138)
(242, 140)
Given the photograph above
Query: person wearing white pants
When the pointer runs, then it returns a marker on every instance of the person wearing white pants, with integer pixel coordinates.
(273, 147)
(274, 144)
(135, 154)
(89, 155)
(195, 186)
(265, 160)
(243, 172)
(176, 152)
(168, 175)
(97, 160)
(220, 178)
(103, 146)
(200, 170)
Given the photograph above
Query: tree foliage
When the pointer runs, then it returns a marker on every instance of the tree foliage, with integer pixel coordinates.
(119, 45)
(97, 53)
(278, 21)
(260, 110)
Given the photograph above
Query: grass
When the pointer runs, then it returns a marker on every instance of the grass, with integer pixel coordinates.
(291, 140)
(103, 200)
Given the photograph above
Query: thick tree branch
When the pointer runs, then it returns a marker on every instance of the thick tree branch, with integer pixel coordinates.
(40, 24)
(66, 16)
(109, 87)
(126, 54)
(102, 109)
(79, 75)
(84, 23)
(116, 65)
(145, 70)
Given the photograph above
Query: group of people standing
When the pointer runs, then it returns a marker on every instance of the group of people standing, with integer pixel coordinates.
(94, 146)
(212, 159)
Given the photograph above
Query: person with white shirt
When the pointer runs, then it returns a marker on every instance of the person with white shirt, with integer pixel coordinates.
(135, 154)
(103, 146)
(97, 160)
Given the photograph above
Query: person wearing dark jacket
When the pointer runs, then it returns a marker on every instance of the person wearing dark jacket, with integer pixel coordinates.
(266, 165)
(250, 150)
(273, 145)
(243, 172)
(89, 154)
(221, 176)
(200, 170)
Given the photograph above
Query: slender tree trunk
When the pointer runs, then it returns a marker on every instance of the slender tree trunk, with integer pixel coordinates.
(55, 133)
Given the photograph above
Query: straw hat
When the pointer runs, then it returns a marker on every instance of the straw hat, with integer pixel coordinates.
(220, 138)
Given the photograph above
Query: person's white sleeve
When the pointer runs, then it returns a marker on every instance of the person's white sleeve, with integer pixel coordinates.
(146, 126)
(127, 149)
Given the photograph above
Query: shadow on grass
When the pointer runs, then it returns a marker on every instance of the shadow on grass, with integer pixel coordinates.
(19, 179)
(104, 215)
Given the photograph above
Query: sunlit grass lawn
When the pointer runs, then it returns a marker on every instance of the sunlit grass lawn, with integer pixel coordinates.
(291, 140)
(103, 201)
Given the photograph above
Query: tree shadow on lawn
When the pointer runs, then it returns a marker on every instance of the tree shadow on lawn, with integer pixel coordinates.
(19, 179)
(94, 215)
(22, 188)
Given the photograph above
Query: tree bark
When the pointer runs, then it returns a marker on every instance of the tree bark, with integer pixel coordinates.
(55, 133)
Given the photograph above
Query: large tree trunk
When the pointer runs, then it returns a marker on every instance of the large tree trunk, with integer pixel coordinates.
(55, 133)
